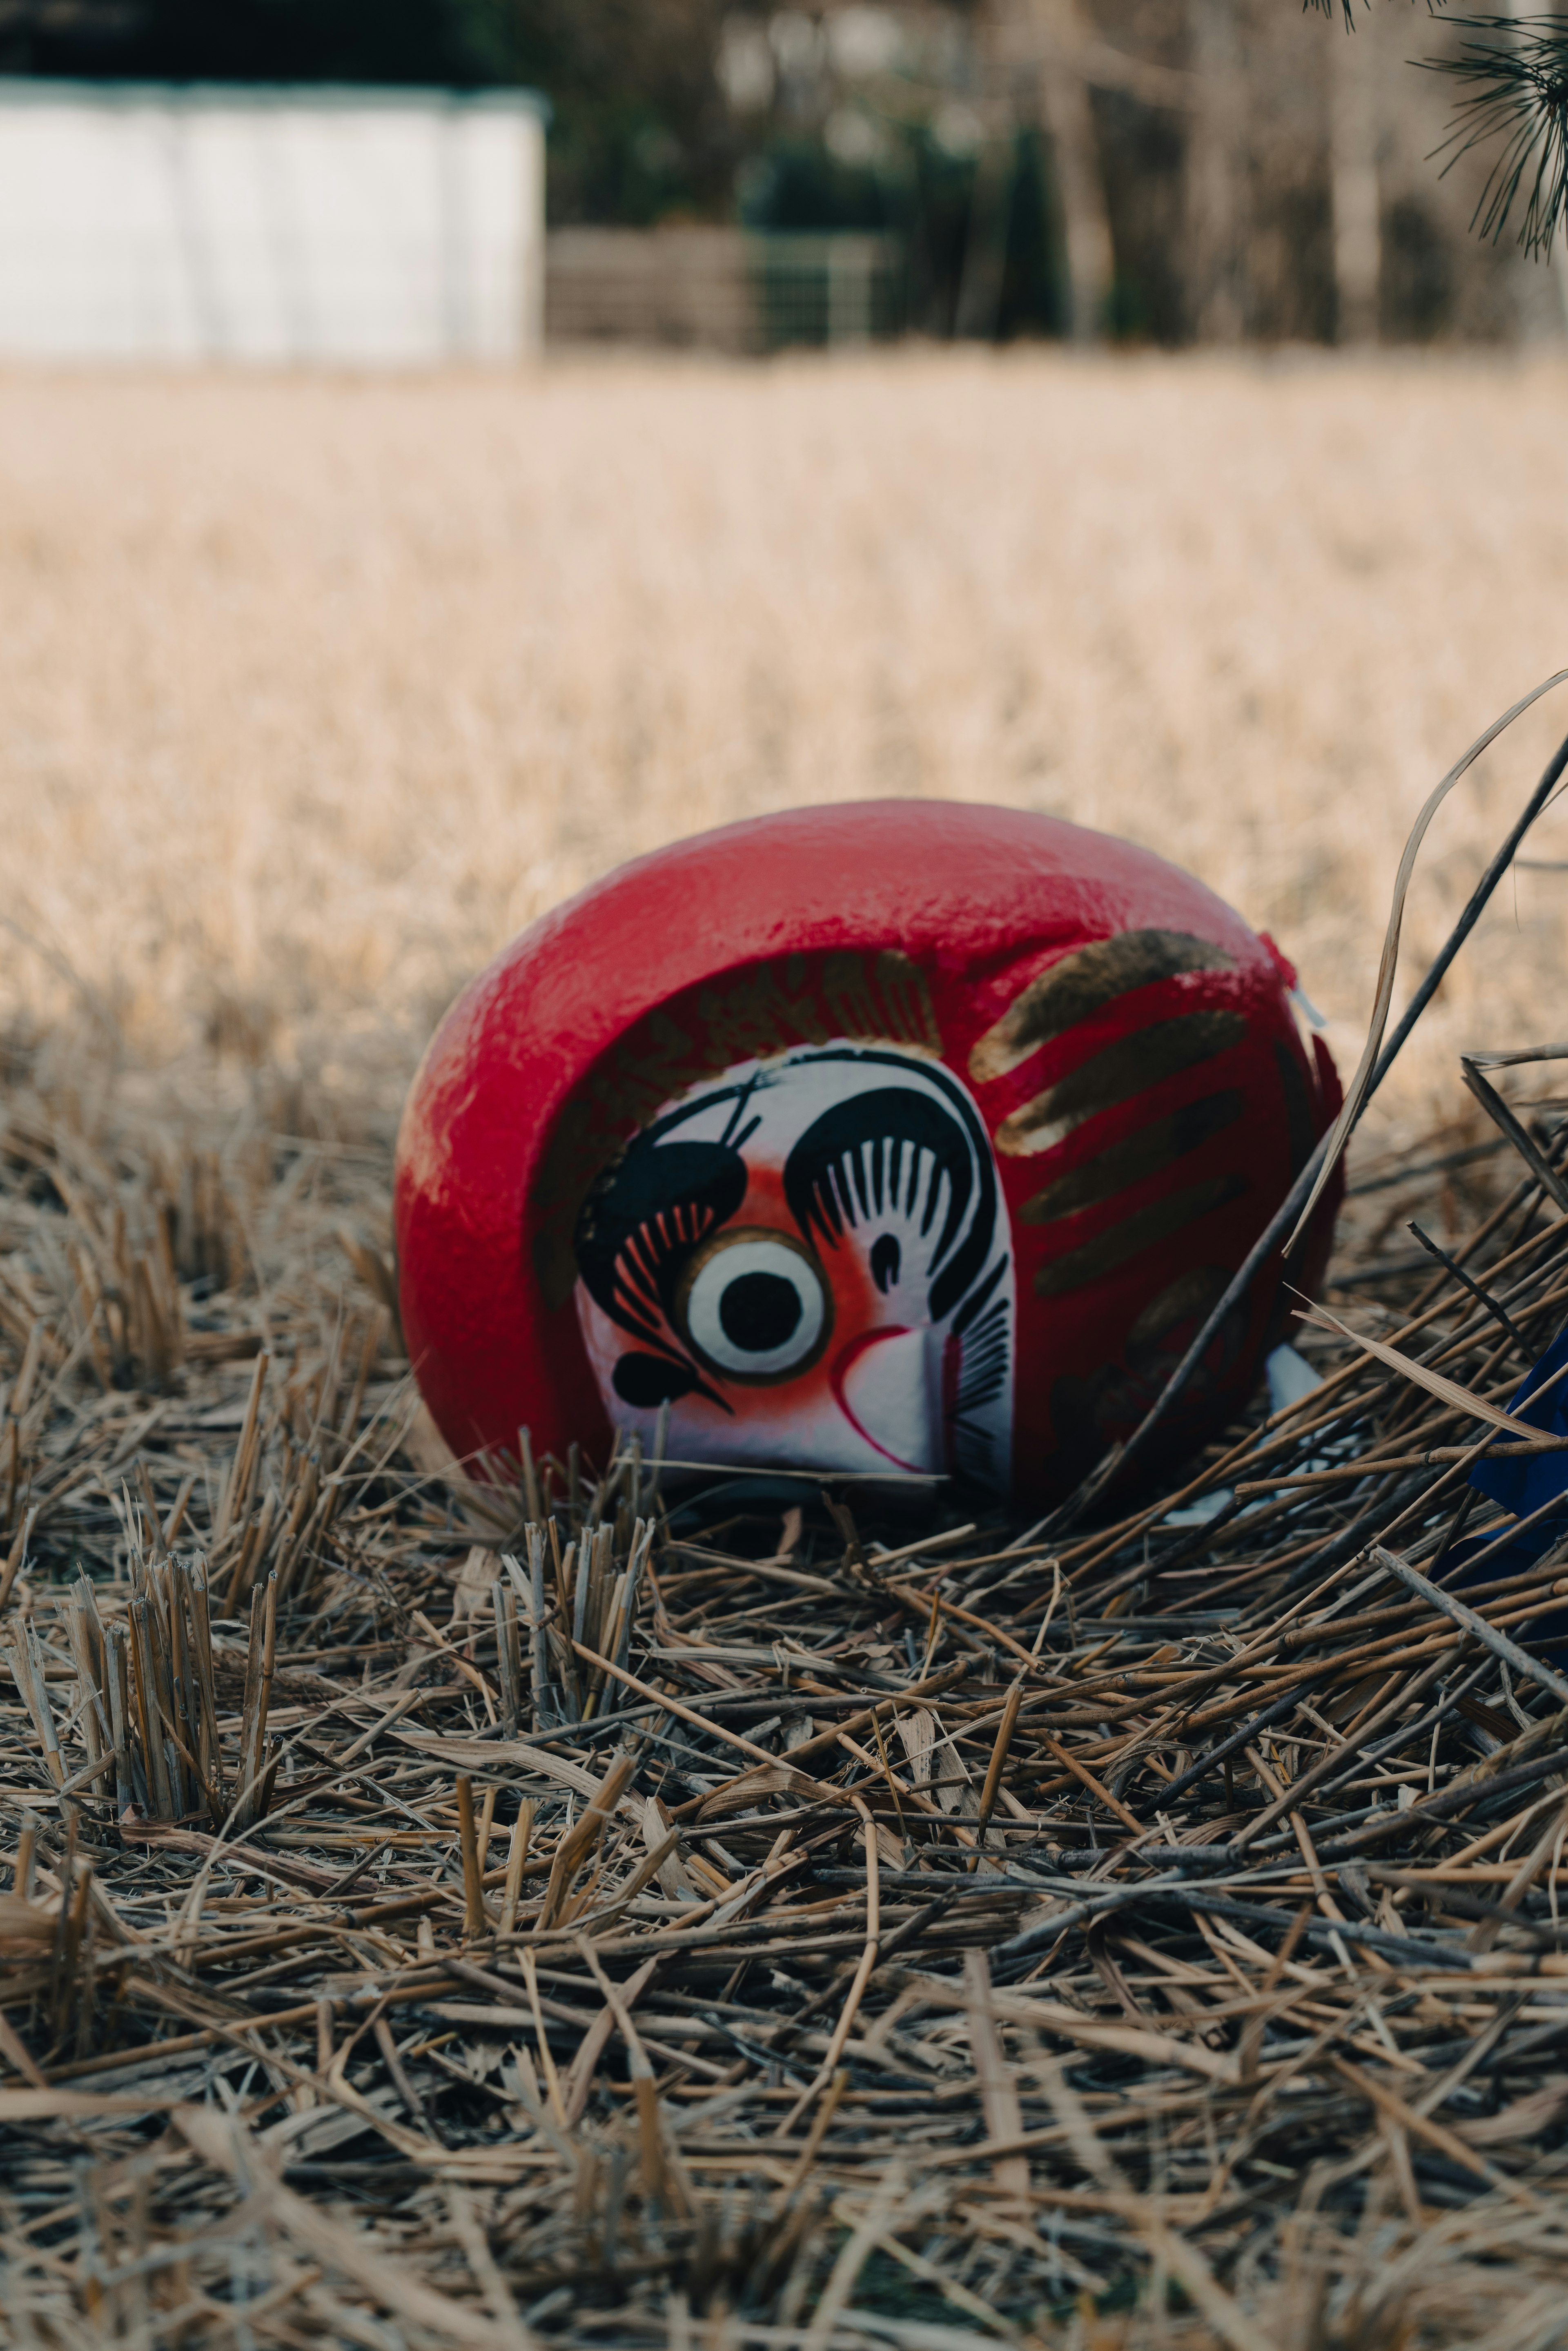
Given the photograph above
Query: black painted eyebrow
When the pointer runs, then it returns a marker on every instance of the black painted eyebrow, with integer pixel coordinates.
(669, 1195)
(828, 1183)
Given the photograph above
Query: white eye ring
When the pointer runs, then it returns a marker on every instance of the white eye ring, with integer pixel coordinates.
(755, 1306)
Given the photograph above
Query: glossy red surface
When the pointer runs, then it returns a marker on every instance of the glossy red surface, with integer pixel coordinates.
(681, 964)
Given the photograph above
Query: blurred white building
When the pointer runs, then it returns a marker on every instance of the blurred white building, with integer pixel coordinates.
(344, 228)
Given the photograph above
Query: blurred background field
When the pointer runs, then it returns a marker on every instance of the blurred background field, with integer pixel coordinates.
(316, 690)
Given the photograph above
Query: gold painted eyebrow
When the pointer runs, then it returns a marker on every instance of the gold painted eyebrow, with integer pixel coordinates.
(1077, 1268)
(1084, 982)
(1128, 1066)
(1135, 1156)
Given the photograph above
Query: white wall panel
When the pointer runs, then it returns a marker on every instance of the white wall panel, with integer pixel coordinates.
(348, 228)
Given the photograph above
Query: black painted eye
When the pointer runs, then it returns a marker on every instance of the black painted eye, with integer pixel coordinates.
(758, 1313)
(886, 1259)
(756, 1307)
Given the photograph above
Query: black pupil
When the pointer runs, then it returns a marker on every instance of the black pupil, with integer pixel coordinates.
(758, 1311)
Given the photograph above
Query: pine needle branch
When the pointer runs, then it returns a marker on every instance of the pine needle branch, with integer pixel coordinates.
(1516, 69)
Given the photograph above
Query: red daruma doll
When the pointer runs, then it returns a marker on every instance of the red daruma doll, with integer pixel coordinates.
(899, 1137)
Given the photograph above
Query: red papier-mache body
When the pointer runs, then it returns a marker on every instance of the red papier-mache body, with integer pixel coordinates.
(902, 1136)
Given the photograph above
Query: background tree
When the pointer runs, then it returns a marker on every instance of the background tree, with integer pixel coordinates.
(639, 126)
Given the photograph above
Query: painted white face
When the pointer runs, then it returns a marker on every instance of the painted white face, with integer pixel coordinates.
(810, 1260)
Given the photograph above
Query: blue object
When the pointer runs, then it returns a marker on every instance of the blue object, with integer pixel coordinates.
(1525, 1483)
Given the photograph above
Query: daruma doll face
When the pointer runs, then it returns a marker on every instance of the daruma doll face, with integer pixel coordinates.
(809, 1261)
(899, 1137)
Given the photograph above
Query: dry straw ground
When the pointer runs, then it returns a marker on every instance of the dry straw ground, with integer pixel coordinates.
(724, 1927)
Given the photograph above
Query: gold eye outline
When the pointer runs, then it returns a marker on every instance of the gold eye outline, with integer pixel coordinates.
(821, 1296)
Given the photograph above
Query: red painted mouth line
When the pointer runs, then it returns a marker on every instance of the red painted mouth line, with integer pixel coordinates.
(843, 1365)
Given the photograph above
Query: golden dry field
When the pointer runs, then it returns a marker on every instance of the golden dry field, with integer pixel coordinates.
(315, 691)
